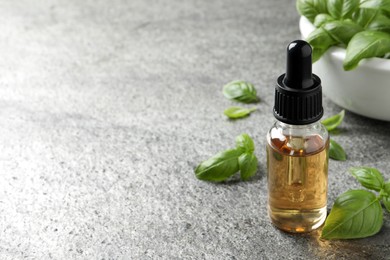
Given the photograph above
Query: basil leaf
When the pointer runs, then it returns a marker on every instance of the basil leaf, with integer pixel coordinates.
(237, 112)
(219, 167)
(386, 199)
(380, 23)
(248, 165)
(334, 121)
(370, 178)
(386, 202)
(317, 53)
(376, 4)
(342, 31)
(366, 44)
(311, 8)
(364, 16)
(320, 40)
(244, 143)
(386, 187)
(277, 156)
(355, 214)
(386, 13)
(321, 19)
(336, 152)
(240, 91)
(342, 8)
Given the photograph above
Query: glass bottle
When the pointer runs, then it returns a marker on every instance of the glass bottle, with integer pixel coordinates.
(297, 147)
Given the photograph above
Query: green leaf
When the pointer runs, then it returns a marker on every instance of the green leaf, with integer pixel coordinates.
(376, 4)
(380, 23)
(336, 152)
(386, 13)
(321, 19)
(386, 202)
(386, 199)
(219, 167)
(370, 178)
(342, 8)
(364, 17)
(334, 121)
(317, 53)
(244, 143)
(366, 44)
(355, 214)
(320, 40)
(342, 31)
(248, 165)
(240, 91)
(311, 8)
(237, 112)
(386, 187)
(277, 156)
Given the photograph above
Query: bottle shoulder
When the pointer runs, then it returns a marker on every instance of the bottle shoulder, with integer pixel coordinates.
(299, 140)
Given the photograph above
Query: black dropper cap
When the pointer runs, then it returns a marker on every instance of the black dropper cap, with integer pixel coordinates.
(298, 93)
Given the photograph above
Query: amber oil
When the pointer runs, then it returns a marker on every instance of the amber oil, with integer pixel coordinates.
(297, 178)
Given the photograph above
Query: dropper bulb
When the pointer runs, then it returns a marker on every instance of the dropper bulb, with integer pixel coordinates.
(298, 72)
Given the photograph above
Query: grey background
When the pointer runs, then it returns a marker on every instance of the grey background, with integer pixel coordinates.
(106, 107)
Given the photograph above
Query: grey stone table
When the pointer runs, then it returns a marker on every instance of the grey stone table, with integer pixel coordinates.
(106, 107)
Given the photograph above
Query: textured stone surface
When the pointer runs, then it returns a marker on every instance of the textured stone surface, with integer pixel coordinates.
(106, 107)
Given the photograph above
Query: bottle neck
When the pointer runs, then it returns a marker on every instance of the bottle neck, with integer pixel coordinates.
(315, 128)
(289, 126)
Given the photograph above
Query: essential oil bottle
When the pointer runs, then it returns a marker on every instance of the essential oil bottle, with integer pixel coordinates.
(297, 147)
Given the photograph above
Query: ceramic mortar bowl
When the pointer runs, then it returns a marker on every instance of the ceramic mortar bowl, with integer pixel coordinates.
(364, 90)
